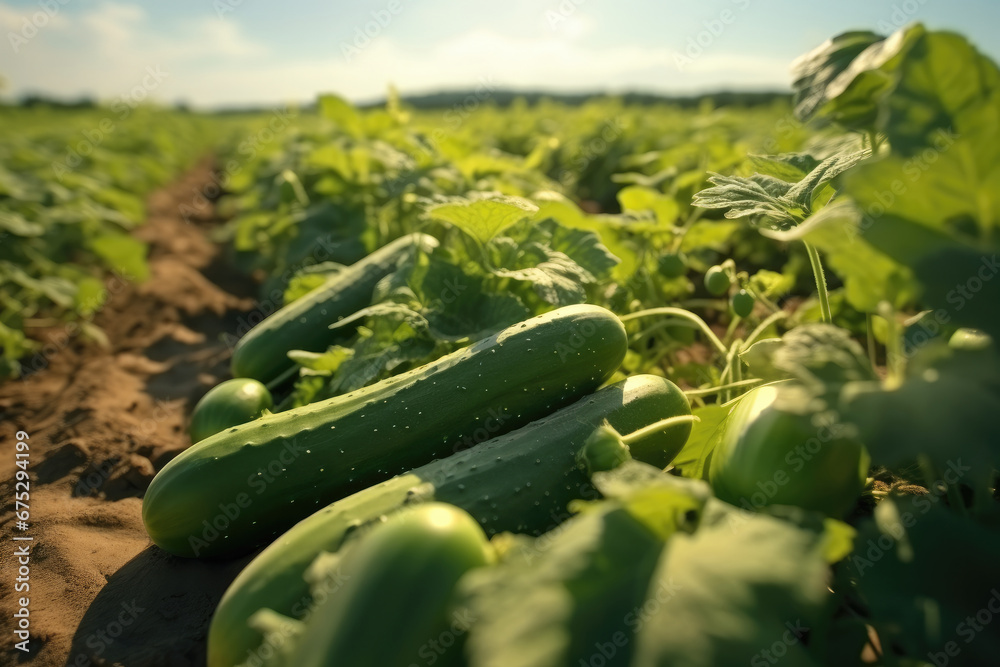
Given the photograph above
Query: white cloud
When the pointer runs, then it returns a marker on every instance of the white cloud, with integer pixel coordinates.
(113, 27)
(105, 51)
(213, 62)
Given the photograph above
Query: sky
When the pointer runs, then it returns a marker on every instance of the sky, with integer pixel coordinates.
(213, 53)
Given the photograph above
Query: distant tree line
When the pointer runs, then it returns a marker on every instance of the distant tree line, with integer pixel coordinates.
(448, 99)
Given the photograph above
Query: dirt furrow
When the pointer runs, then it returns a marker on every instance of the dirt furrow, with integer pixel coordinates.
(102, 420)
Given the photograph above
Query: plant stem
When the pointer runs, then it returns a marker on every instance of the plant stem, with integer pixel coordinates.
(894, 359)
(871, 339)
(824, 296)
(683, 314)
(636, 436)
(762, 327)
(732, 361)
(715, 390)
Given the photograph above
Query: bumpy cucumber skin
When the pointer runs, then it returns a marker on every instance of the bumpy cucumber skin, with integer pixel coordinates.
(228, 404)
(262, 353)
(241, 487)
(398, 583)
(520, 482)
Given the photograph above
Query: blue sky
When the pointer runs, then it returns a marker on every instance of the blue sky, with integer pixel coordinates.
(222, 52)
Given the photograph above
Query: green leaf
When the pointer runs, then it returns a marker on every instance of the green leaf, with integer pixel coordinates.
(757, 197)
(930, 579)
(59, 291)
(123, 255)
(321, 363)
(566, 213)
(814, 72)
(772, 284)
(945, 85)
(17, 225)
(460, 306)
(790, 167)
(90, 295)
(556, 278)
(692, 461)
(553, 598)
(869, 275)
(962, 284)
(342, 113)
(123, 203)
(583, 247)
(484, 215)
(945, 410)
(822, 357)
(940, 193)
(742, 582)
(713, 234)
(640, 198)
(844, 80)
(804, 191)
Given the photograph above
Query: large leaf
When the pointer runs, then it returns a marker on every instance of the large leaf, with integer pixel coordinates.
(931, 581)
(756, 197)
(459, 306)
(945, 410)
(583, 247)
(781, 204)
(945, 85)
(555, 600)
(940, 193)
(485, 215)
(846, 79)
(556, 278)
(741, 584)
(814, 72)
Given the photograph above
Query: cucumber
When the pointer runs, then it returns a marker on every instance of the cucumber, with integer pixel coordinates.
(520, 482)
(242, 487)
(228, 404)
(304, 324)
(399, 580)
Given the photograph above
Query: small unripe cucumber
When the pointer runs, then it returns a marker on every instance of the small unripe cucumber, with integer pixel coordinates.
(519, 482)
(228, 404)
(399, 580)
(240, 488)
(304, 324)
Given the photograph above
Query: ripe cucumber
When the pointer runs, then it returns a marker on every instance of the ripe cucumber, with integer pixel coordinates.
(520, 482)
(228, 404)
(240, 488)
(304, 324)
(399, 580)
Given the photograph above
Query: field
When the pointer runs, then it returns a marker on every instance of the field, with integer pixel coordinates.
(535, 384)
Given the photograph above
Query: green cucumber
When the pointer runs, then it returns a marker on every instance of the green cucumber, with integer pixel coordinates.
(521, 482)
(242, 487)
(304, 324)
(399, 580)
(228, 404)
(604, 450)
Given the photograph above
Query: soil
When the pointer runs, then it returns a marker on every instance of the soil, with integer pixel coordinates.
(102, 419)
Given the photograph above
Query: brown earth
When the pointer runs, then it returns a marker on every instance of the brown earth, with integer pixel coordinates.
(101, 421)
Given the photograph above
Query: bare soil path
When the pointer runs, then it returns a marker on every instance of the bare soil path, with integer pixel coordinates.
(102, 421)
